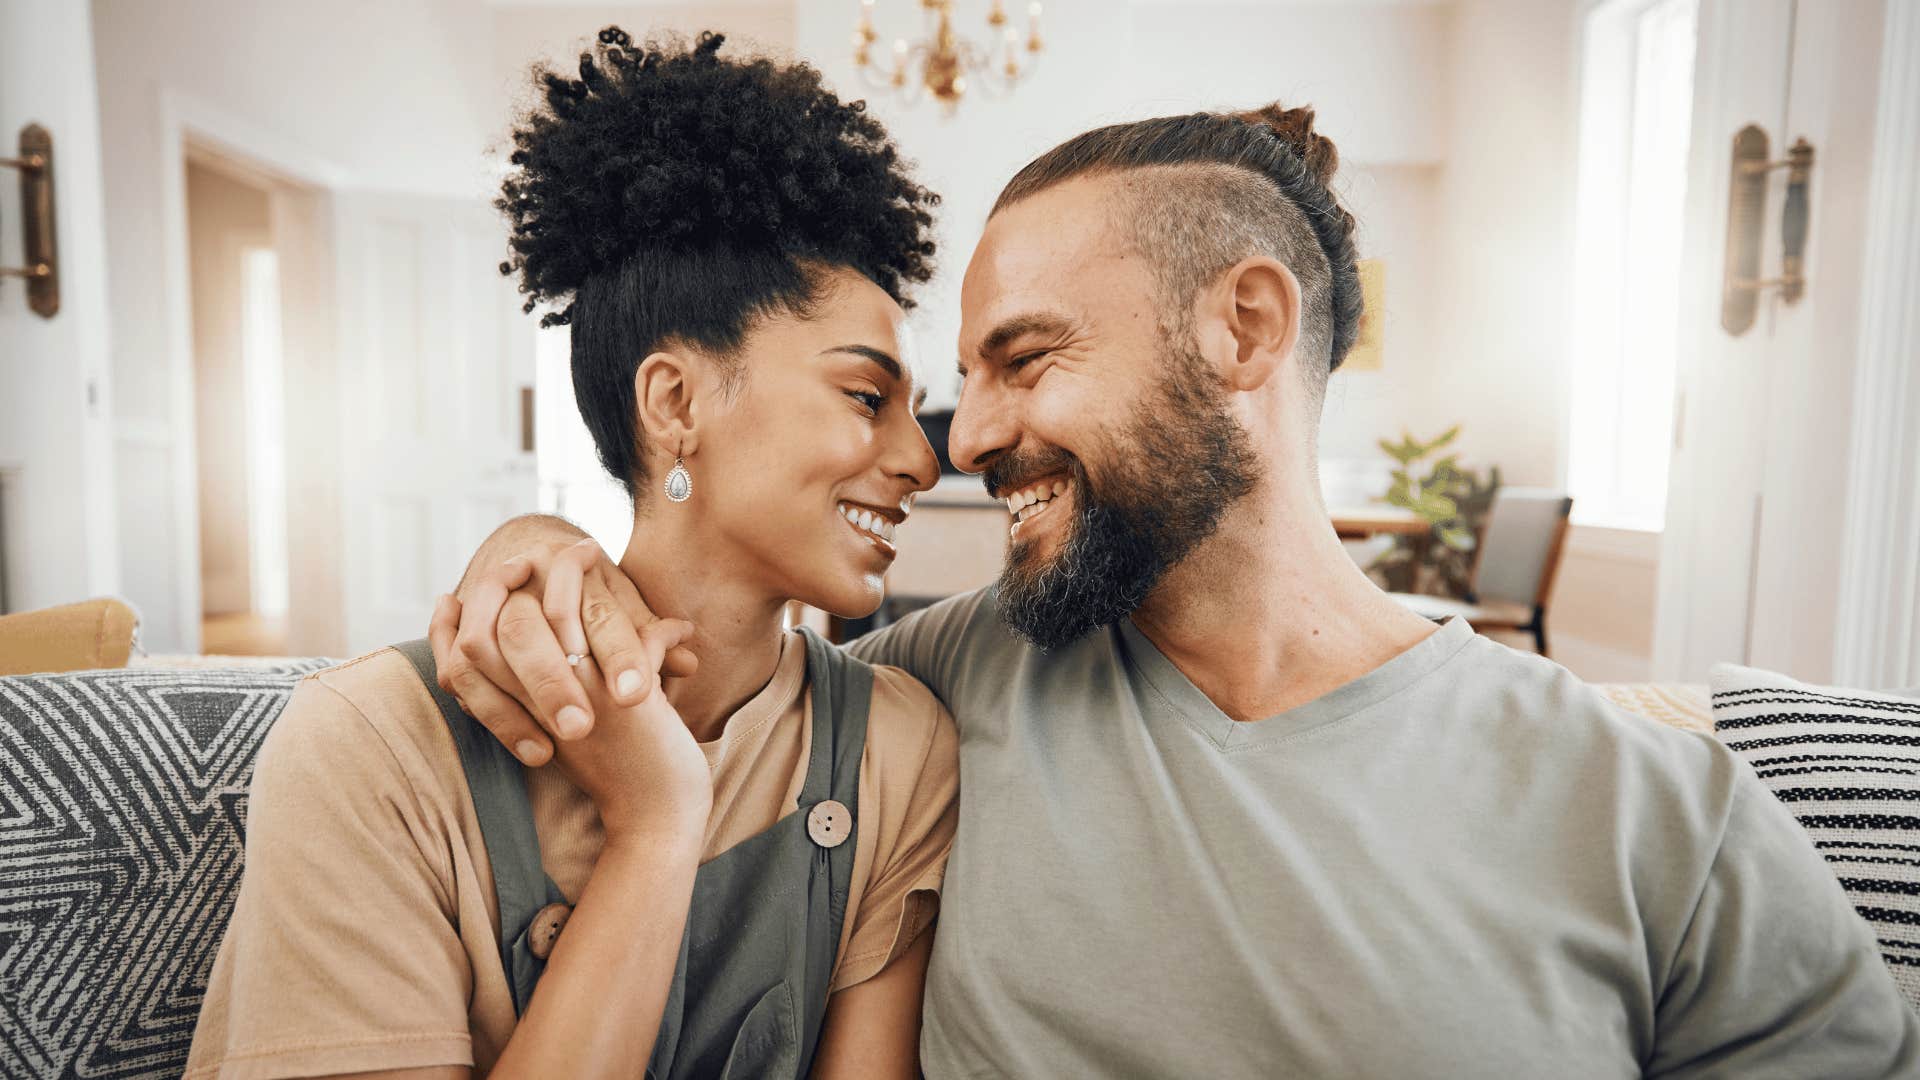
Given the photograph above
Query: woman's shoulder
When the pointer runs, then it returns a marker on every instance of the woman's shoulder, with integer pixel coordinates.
(908, 727)
(366, 718)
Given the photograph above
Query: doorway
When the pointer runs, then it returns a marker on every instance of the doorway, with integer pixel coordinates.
(239, 405)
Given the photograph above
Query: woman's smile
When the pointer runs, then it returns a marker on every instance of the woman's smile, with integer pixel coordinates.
(873, 525)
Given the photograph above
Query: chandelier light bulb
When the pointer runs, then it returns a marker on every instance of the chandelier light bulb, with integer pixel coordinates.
(941, 60)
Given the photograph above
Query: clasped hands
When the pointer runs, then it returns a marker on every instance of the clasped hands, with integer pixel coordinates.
(503, 645)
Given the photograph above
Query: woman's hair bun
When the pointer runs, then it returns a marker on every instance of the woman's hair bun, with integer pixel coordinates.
(666, 146)
(1295, 128)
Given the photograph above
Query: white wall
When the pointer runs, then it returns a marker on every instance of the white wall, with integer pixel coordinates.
(556, 32)
(1504, 237)
(358, 93)
(54, 382)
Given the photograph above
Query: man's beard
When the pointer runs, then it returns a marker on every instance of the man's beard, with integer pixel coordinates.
(1164, 486)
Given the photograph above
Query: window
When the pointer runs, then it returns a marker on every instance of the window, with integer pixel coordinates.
(1636, 108)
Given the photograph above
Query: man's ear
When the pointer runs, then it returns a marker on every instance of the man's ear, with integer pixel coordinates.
(665, 392)
(1261, 301)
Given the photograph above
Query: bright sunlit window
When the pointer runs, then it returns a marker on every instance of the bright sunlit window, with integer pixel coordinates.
(1635, 117)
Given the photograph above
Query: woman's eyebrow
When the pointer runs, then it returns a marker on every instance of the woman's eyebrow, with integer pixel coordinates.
(887, 363)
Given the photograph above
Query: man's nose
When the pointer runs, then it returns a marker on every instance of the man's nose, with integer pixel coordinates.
(985, 423)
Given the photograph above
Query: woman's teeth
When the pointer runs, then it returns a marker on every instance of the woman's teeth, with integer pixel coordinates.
(1030, 500)
(868, 521)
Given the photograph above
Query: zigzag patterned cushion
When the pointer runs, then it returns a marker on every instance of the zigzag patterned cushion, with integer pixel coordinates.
(122, 800)
(1847, 764)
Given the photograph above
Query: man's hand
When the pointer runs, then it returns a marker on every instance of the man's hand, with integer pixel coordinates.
(507, 663)
(640, 765)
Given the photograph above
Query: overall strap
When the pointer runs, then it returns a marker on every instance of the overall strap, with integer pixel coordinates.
(842, 692)
(842, 689)
(498, 784)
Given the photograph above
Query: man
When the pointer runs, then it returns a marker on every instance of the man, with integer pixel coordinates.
(1226, 809)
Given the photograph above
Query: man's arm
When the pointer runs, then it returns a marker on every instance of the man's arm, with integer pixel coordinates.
(519, 536)
(521, 685)
(930, 644)
(1776, 975)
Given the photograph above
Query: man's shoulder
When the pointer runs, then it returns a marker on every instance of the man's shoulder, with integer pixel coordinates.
(960, 613)
(1548, 719)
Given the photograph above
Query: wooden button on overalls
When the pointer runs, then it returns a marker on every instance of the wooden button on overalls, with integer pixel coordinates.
(829, 823)
(545, 929)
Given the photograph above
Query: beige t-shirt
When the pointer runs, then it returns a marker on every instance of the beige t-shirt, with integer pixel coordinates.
(363, 936)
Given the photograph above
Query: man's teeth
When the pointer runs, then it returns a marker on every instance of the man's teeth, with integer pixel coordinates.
(868, 521)
(1033, 495)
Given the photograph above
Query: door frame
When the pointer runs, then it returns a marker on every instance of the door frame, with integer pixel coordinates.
(301, 187)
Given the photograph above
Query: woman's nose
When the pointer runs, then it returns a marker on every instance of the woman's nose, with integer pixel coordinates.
(914, 460)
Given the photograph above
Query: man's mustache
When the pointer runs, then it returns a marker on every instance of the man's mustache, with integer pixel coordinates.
(1017, 468)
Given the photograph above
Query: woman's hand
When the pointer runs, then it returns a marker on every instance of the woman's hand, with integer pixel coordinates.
(639, 763)
(514, 677)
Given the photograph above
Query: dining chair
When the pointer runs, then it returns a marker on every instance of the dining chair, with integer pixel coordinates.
(1514, 567)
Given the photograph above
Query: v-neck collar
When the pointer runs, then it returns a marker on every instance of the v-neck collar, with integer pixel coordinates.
(1228, 734)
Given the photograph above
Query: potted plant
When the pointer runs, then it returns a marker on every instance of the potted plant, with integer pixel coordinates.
(1452, 499)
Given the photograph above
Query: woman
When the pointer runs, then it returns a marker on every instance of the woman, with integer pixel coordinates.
(735, 876)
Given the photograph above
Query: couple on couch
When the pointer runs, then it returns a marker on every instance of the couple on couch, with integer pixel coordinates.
(1188, 795)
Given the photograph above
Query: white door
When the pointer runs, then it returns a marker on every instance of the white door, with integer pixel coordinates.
(436, 413)
(1749, 562)
(56, 465)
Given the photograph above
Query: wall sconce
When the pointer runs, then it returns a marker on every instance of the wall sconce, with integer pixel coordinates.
(42, 272)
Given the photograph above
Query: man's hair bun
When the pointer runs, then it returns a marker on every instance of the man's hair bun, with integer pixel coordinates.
(1295, 128)
(664, 147)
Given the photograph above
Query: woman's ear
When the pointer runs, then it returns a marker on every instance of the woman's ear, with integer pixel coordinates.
(666, 391)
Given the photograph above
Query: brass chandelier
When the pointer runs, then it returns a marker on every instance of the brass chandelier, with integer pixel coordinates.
(943, 63)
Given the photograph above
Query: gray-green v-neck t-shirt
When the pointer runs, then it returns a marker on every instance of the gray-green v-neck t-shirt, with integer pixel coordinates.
(1465, 863)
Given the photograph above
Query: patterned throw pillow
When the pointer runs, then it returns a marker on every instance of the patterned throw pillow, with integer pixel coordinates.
(1847, 764)
(122, 799)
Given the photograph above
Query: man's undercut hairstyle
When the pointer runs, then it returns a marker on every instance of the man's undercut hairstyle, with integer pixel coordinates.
(1206, 190)
(669, 197)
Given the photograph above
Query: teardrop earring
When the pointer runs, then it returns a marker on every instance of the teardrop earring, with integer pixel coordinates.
(679, 482)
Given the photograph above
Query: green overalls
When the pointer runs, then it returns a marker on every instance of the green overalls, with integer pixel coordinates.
(750, 990)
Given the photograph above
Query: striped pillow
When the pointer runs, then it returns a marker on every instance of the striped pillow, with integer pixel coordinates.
(1847, 764)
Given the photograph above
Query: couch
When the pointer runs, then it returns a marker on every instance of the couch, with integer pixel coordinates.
(123, 797)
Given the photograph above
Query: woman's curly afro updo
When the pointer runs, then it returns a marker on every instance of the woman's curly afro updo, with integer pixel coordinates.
(669, 194)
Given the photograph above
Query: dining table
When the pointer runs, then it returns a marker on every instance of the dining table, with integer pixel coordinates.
(1362, 522)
